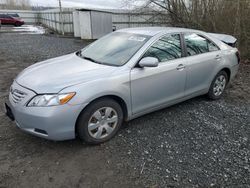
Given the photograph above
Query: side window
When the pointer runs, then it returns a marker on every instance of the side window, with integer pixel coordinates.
(166, 48)
(212, 47)
(197, 44)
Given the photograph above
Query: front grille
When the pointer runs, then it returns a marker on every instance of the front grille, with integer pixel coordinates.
(17, 95)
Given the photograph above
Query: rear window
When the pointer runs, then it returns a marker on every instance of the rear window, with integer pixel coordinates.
(5, 16)
(197, 44)
(2, 16)
(13, 14)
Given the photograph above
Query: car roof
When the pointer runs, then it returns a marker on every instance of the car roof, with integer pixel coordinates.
(152, 31)
(4, 15)
(15, 14)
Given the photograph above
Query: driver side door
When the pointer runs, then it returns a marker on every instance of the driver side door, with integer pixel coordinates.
(152, 87)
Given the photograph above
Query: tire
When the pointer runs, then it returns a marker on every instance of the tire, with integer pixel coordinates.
(100, 121)
(218, 87)
(17, 24)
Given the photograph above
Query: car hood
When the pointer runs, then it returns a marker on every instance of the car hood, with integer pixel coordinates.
(53, 75)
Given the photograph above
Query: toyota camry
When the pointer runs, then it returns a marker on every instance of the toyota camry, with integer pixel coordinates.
(123, 75)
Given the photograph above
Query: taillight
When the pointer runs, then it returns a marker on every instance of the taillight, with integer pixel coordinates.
(238, 56)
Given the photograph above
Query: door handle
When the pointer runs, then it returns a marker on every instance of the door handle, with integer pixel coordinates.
(180, 67)
(218, 57)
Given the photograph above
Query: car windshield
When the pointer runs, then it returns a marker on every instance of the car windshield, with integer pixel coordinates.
(114, 49)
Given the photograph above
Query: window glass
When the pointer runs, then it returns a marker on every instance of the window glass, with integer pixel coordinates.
(5, 16)
(212, 47)
(115, 49)
(166, 48)
(197, 44)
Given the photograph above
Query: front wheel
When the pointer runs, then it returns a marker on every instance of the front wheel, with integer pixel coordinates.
(100, 121)
(218, 85)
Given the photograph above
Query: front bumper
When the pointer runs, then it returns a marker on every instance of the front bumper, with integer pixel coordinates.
(53, 123)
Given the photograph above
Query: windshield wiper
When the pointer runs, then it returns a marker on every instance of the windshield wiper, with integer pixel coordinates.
(91, 59)
(79, 53)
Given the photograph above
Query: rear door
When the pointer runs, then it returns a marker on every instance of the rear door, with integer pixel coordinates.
(152, 87)
(203, 56)
(10, 20)
(3, 18)
(6, 19)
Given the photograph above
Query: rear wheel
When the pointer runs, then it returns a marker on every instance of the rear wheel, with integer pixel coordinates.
(218, 85)
(17, 24)
(100, 121)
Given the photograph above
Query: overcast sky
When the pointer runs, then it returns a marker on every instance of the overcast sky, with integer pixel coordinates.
(83, 3)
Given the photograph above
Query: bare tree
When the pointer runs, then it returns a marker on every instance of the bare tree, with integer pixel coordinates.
(17, 4)
(222, 16)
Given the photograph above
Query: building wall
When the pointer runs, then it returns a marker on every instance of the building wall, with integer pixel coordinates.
(51, 19)
(76, 24)
(101, 24)
(85, 24)
(126, 20)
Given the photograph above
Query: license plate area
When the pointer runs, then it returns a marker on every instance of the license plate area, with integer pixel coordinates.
(9, 112)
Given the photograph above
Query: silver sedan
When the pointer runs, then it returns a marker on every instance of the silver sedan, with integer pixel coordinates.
(121, 76)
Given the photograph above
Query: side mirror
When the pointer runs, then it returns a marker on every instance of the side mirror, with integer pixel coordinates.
(148, 62)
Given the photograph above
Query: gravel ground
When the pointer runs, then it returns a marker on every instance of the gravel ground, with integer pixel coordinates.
(197, 143)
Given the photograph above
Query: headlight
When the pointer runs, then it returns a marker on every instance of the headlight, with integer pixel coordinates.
(50, 99)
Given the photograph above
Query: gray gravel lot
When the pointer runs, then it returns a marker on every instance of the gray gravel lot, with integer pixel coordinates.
(198, 143)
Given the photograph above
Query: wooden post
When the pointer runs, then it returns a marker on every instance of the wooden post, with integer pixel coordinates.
(61, 20)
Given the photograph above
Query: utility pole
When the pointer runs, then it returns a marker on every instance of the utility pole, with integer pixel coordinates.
(61, 20)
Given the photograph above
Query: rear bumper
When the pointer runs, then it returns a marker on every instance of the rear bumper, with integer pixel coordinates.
(53, 123)
(234, 71)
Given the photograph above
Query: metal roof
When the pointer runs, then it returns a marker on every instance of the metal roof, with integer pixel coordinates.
(151, 31)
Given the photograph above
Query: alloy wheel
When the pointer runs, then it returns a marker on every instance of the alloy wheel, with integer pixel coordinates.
(102, 122)
(219, 85)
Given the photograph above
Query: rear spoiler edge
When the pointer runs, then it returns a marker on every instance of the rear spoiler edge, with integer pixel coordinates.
(228, 39)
